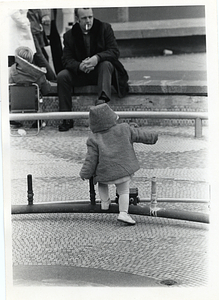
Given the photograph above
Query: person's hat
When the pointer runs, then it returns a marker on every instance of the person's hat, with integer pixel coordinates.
(102, 117)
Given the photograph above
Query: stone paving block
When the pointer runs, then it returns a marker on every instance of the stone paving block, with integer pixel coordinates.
(156, 247)
(165, 250)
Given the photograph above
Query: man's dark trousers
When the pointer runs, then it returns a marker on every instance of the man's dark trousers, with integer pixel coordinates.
(100, 76)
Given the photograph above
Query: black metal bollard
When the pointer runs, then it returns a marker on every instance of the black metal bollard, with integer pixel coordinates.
(133, 196)
(92, 192)
(29, 189)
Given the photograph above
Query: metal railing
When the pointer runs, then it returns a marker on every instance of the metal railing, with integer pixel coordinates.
(92, 206)
(197, 116)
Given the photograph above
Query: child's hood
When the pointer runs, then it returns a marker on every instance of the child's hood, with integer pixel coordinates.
(27, 68)
(102, 117)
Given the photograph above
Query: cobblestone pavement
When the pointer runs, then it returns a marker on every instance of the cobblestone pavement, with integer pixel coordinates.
(156, 248)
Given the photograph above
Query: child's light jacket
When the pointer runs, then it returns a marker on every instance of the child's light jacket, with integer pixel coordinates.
(110, 152)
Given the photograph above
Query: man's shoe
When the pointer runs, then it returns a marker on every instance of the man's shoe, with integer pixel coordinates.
(125, 218)
(66, 125)
(99, 101)
(16, 124)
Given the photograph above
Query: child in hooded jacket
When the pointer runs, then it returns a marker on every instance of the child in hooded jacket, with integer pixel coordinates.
(111, 158)
(24, 70)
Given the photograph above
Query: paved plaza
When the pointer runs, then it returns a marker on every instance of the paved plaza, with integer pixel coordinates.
(79, 249)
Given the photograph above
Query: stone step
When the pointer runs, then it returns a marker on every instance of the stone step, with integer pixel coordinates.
(136, 102)
(148, 38)
(165, 83)
(162, 87)
(159, 28)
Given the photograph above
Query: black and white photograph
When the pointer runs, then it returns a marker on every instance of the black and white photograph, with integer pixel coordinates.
(109, 149)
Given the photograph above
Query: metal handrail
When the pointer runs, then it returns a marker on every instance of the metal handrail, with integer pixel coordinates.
(197, 116)
(122, 114)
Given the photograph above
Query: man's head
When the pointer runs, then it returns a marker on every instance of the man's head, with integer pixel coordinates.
(84, 16)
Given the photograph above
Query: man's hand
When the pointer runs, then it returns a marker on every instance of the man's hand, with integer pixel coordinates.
(83, 67)
(88, 64)
(91, 62)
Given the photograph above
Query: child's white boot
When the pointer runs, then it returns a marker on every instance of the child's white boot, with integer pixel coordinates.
(125, 217)
(105, 204)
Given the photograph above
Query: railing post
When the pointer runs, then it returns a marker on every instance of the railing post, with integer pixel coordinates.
(153, 204)
(198, 127)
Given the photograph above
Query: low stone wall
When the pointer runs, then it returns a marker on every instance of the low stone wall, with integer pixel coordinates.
(135, 103)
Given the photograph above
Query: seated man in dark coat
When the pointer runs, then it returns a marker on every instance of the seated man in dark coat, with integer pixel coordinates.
(90, 57)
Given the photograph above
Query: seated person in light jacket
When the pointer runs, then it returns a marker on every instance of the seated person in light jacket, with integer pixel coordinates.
(24, 70)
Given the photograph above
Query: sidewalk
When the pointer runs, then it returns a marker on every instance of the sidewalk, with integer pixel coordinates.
(93, 249)
(172, 74)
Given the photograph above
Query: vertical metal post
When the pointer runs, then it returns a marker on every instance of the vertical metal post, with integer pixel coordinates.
(29, 189)
(92, 191)
(153, 204)
(153, 190)
(198, 127)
